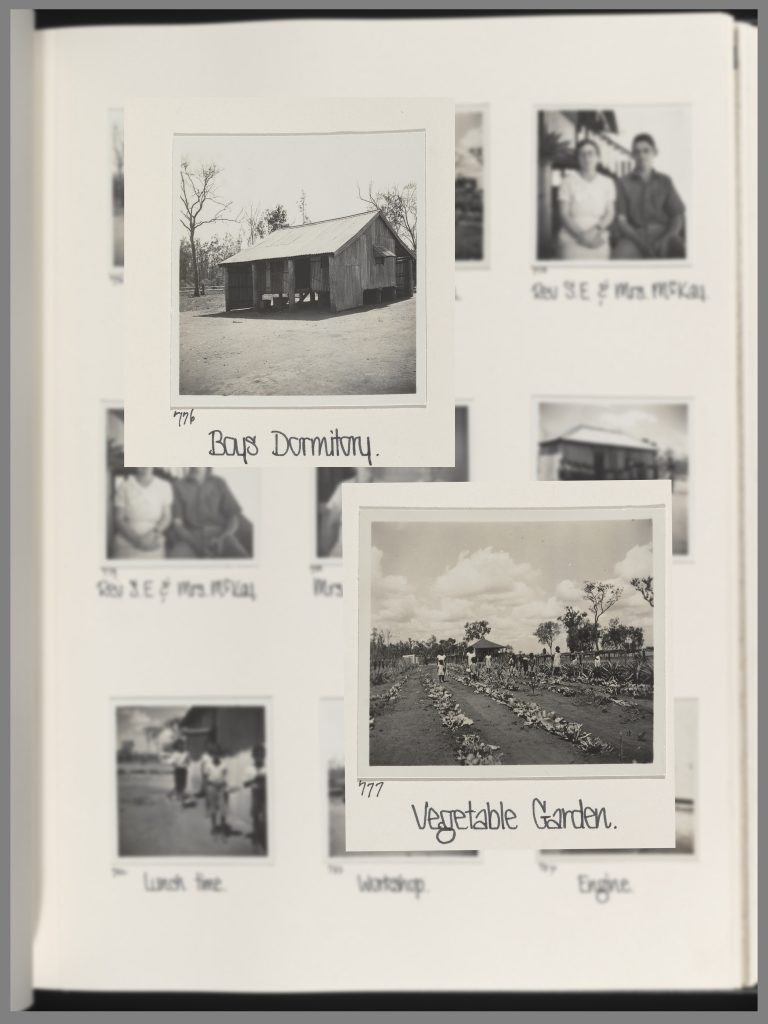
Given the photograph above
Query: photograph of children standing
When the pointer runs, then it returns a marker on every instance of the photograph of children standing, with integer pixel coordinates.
(192, 780)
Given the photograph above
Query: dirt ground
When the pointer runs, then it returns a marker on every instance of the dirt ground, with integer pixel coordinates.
(367, 351)
(409, 731)
(152, 825)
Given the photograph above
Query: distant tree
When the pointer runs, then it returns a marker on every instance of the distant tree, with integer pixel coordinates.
(579, 631)
(644, 586)
(302, 205)
(398, 204)
(200, 204)
(126, 751)
(547, 632)
(600, 597)
(476, 630)
(118, 166)
(620, 637)
(276, 218)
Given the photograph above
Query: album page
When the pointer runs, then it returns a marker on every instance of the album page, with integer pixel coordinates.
(193, 742)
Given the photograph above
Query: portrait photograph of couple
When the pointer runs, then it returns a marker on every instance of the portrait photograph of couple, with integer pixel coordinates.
(156, 513)
(613, 184)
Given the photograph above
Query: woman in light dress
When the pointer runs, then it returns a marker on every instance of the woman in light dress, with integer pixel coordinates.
(142, 505)
(587, 201)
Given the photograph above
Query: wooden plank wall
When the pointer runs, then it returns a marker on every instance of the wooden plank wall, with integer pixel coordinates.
(345, 275)
(378, 275)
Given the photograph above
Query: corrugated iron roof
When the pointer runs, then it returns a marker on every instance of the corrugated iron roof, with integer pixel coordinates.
(323, 236)
(604, 437)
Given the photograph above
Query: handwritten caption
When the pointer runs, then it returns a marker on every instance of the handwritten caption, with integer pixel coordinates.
(149, 588)
(391, 883)
(618, 291)
(182, 883)
(601, 889)
(322, 587)
(446, 823)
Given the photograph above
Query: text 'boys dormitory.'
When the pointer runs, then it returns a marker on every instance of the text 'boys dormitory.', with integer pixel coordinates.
(343, 263)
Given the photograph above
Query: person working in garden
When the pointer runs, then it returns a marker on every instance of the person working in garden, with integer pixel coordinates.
(556, 662)
(441, 666)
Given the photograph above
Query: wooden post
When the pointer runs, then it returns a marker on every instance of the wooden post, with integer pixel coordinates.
(331, 286)
(227, 305)
(290, 278)
(254, 287)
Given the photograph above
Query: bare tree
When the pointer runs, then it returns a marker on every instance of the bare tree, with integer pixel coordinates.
(302, 205)
(600, 597)
(398, 204)
(644, 586)
(252, 220)
(200, 205)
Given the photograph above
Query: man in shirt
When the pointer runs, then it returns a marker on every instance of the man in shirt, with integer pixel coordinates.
(206, 518)
(256, 779)
(650, 215)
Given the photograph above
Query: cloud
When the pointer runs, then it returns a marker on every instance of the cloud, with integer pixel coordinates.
(638, 561)
(490, 584)
(569, 592)
(485, 572)
(381, 585)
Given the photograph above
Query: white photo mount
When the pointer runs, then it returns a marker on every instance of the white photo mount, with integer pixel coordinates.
(402, 806)
(384, 429)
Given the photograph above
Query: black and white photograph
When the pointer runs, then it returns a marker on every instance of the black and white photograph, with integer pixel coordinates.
(117, 158)
(332, 747)
(614, 184)
(192, 780)
(686, 789)
(620, 440)
(182, 514)
(330, 480)
(471, 154)
(511, 641)
(297, 264)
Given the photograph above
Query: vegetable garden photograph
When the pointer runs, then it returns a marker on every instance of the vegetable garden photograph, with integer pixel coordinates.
(513, 643)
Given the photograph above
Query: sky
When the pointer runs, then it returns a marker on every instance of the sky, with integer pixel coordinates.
(469, 136)
(665, 423)
(431, 578)
(131, 722)
(265, 170)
